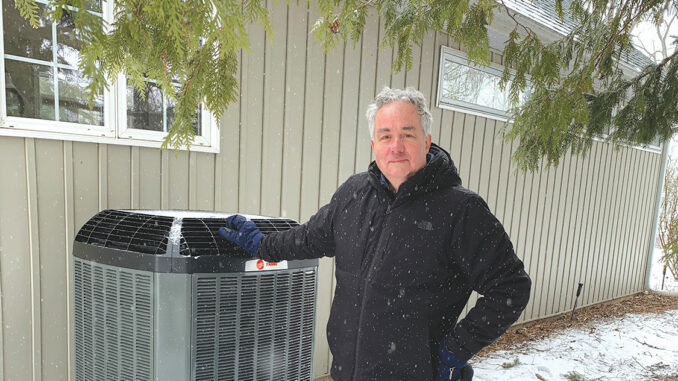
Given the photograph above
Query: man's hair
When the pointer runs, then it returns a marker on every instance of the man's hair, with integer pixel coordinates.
(410, 94)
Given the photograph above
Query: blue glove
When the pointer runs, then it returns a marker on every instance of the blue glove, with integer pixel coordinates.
(242, 232)
(451, 368)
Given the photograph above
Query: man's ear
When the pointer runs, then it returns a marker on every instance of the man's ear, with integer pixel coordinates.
(372, 144)
(428, 142)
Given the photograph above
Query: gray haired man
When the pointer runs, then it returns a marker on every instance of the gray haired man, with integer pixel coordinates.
(410, 244)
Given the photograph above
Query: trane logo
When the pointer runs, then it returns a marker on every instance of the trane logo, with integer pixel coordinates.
(261, 265)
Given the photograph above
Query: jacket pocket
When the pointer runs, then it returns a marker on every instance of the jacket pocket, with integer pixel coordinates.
(342, 327)
(395, 345)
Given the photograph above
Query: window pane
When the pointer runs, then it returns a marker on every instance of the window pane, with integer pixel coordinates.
(67, 45)
(29, 89)
(145, 114)
(95, 6)
(148, 114)
(197, 127)
(74, 101)
(23, 40)
(464, 83)
(198, 122)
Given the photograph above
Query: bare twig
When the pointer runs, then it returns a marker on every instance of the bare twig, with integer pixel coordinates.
(649, 345)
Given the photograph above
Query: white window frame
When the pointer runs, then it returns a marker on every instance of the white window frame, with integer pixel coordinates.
(114, 130)
(653, 147)
(449, 54)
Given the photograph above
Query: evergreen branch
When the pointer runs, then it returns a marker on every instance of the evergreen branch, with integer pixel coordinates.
(661, 63)
(512, 16)
(365, 4)
(28, 9)
(612, 39)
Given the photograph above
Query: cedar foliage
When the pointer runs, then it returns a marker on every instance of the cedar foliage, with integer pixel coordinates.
(578, 90)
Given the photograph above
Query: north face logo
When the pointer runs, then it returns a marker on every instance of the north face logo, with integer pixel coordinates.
(424, 225)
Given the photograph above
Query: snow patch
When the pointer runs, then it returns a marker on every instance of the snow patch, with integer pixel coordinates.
(632, 347)
(175, 232)
(192, 213)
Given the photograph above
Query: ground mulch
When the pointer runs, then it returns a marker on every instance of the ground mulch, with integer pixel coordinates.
(586, 317)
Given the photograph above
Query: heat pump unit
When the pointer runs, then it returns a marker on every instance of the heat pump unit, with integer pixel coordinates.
(160, 296)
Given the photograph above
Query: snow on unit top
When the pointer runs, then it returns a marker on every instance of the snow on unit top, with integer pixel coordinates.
(194, 214)
(175, 232)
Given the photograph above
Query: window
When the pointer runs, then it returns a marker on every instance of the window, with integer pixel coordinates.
(150, 116)
(45, 95)
(471, 89)
(475, 90)
(656, 145)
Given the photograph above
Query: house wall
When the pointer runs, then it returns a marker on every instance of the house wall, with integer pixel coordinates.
(296, 133)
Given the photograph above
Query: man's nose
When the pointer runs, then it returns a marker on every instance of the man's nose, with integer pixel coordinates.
(397, 144)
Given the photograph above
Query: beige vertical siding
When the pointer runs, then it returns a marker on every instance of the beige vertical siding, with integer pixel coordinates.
(18, 302)
(297, 132)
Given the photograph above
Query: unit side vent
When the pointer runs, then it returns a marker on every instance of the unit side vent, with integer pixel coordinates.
(254, 327)
(135, 232)
(113, 323)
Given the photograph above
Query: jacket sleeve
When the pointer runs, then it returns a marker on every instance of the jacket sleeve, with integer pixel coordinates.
(314, 239)
(484, 253)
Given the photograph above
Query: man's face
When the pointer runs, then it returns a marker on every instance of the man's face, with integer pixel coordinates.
(399, 143)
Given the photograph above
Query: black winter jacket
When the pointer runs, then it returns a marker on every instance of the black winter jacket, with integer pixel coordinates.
(406, 264)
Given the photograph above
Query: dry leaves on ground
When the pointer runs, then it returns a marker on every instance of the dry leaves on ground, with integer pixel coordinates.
(586, 317)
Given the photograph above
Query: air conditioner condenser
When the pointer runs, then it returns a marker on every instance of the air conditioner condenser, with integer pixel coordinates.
(160, 296)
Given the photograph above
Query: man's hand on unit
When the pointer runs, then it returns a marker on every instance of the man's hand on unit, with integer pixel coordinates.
(242, 232)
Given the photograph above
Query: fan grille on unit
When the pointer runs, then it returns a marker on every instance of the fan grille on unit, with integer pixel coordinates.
(148, 234)
(200, 235)
(135, 232)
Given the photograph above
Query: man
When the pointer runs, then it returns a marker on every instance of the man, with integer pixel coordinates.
(410, 245)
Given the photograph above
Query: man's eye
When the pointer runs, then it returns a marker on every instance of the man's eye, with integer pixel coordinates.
(384, 137)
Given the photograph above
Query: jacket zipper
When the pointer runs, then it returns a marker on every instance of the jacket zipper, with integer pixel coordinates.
(362, 304)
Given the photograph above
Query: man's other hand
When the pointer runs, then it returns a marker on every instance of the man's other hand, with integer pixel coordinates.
(242, 232)
(451, 368)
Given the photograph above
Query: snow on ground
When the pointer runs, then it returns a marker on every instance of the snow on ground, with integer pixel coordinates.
(633, 347)
(670, 284)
